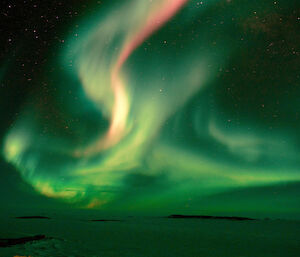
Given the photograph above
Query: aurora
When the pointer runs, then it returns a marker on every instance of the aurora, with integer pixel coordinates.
(162, 103)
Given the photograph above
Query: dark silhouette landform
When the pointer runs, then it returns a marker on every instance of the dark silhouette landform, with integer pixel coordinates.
(7, 242)
(178, 216)
(33, 217)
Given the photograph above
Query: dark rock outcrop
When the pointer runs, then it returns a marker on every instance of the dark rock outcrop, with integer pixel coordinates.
(32, 217)
(7, 242)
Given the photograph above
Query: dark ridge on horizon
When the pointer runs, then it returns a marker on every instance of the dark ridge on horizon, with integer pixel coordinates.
(7, 242)
(179, 216)
(33, 217)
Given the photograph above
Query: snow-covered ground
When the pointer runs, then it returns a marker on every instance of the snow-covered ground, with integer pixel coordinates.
(152, 237)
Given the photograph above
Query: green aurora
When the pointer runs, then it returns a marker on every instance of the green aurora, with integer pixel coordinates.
(169, 105)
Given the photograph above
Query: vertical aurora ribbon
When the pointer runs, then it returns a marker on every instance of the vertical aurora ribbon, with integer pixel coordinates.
(158, 15)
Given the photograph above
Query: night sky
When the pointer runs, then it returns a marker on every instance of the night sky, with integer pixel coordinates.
(151, 106)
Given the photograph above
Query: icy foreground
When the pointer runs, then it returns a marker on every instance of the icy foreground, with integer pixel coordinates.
(151, 237)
